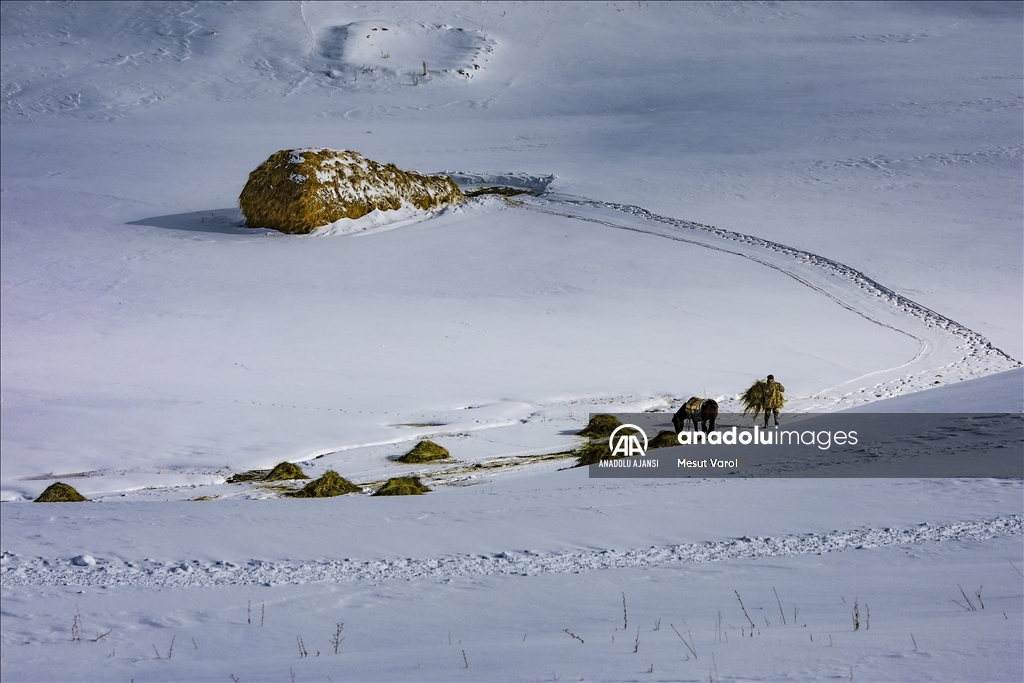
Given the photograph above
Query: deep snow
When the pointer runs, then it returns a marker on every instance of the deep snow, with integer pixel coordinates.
(828, 192)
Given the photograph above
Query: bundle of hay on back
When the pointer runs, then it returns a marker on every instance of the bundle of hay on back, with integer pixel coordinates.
(61, 493)
(601, 426)
(300, 190)
(762, 396)
(285, 471)
(425, 451)
(327, 486)
(402, 486)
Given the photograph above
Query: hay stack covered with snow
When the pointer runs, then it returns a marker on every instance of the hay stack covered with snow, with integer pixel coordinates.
(300, 190)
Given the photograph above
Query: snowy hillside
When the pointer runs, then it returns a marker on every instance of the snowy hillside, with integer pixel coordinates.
(716, 191)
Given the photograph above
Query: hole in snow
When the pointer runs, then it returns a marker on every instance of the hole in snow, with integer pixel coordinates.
(369, 49)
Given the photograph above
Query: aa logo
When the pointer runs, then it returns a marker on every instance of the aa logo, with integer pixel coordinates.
(627, 444)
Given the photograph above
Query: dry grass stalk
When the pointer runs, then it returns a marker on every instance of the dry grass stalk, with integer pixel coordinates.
(689, 646)
(573, 635)
(336, 640)
(752, 627)
(780, 606)
(970, 605)
(76, 626)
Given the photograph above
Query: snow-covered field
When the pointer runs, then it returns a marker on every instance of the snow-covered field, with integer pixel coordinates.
(828, 192)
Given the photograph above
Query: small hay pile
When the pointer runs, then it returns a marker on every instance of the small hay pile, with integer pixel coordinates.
(596, 432)
(664, 439)
(601, 427)
(61, 493)
(327, 486)
(425, 451)
(284, 472)
(592, 452)
(402, 486)
(300, 190)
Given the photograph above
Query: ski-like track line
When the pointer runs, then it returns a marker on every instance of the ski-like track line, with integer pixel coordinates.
(850, 288)
(33, 572)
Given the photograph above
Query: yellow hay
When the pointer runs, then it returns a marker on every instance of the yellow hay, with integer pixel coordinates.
(60, 493)
(425, 451)
(300, 190)
(402, 486)
(762, 396)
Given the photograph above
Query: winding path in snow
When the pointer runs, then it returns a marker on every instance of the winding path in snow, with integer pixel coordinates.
(38, 572)
(946, 347)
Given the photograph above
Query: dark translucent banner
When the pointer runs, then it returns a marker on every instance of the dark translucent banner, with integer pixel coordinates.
(915, 445)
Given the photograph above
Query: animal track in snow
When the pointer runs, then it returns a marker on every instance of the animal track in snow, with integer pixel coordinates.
(17, 571)
(947, 349)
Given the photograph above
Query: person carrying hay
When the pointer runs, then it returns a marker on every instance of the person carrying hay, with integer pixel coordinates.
(764, 396)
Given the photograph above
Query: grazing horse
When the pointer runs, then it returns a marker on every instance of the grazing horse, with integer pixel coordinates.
(701, 411)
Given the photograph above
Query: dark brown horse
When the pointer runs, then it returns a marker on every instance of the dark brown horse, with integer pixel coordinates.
(701, 411)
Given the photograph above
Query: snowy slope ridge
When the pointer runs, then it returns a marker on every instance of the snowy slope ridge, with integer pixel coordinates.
(88, 571)
(947, 348)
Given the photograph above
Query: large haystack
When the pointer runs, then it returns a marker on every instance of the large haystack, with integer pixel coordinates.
(300, 190)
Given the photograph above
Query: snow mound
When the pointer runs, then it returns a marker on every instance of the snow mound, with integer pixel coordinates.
(414, 52)
(375, 221)
(300, 190)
